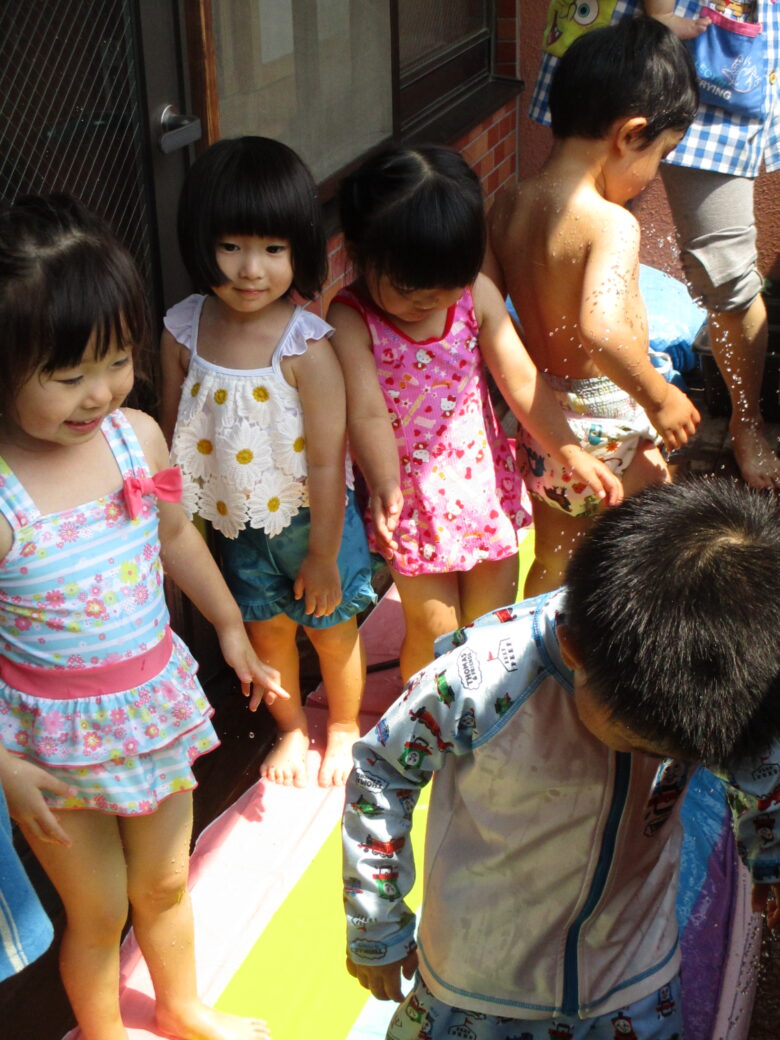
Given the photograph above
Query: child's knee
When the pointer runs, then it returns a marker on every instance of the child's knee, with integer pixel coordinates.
(100, 921)
(152, 896)
(716, 289)
(273, 634)
(430, 621)
(337, 641)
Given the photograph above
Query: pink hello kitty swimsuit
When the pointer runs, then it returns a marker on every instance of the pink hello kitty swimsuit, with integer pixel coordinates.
(464, 500)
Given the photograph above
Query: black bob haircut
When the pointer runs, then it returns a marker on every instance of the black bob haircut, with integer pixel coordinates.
(251, 186)
(636, 67)
(673, 603)
(64, 278)
(415, 216)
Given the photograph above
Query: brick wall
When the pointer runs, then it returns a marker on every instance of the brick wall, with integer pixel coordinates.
(507, 38)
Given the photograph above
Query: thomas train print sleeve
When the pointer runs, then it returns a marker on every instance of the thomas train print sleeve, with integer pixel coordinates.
(456, 702)
(392, 765)
(753, 792)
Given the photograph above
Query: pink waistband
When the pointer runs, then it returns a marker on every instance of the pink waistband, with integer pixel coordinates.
(67, 683)
(741, 28)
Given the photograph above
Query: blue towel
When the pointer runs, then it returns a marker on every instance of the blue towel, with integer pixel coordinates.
(673, 319)
(25, 930)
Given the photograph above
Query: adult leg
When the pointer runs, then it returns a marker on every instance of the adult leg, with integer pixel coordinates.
(739, 342)
(431, 606)
(157, 849)
(91, 880)
(715, 223)
(274, 643)
(486, 587)
(342, 661)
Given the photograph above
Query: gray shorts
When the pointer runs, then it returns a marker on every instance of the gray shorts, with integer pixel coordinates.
(715, 221)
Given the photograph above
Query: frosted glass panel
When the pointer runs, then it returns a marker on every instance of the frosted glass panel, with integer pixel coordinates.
(314, 73)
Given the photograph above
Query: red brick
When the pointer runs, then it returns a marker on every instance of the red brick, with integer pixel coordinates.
(505, 169)
(506, 51)
(506, 29)
(462, 143)
(483, 167)
(491, 184)
(504, 148)
(474, 151)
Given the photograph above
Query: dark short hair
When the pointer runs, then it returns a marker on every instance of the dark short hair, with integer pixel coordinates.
(251, 186)
(64, 277)
(636, 67)
(673, 602)
(416, 216)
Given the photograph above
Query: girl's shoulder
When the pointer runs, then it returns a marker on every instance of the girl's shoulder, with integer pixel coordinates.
(352, 310)
(183, 318)
(149, 436)
(351, 296)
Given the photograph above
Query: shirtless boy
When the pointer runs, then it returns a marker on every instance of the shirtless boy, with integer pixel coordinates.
(567, 250)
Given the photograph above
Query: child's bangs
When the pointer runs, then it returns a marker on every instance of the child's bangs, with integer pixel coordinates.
(243, 207)
(427, 258)
(434, 241)
(90, 298)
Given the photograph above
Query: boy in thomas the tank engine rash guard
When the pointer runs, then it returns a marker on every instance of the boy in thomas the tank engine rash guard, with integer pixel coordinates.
(560, 734)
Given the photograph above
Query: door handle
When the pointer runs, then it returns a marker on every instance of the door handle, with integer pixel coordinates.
(177, 129)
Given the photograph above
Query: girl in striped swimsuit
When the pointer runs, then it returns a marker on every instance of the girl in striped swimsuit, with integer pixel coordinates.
(95, 689)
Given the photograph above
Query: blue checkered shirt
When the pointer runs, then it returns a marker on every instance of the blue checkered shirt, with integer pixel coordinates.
(717, 140)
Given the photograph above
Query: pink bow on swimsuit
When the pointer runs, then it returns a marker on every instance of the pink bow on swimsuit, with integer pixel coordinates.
(166, 485)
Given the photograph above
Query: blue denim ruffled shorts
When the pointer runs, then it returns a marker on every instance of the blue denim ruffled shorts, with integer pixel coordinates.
(261, 571)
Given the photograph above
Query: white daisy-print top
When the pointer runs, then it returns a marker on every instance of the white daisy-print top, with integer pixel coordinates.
(239, 437)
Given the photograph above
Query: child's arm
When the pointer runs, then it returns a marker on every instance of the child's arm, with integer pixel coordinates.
(371, 437)
(321, 390)
(173, 367)
(187, 560)
(529, 397)
(685, 28)
(24, 784)
(613, 325)
(392, 765)
(490, 265)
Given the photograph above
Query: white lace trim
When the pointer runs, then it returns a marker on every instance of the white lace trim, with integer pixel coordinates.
(239, 436)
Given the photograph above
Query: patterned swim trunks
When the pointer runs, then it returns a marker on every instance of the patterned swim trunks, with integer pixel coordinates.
(607, 423)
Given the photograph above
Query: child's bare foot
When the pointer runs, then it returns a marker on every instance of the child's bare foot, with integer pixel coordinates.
(286, 761)
(758, 464)
(337, 760)
(204, 1023)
